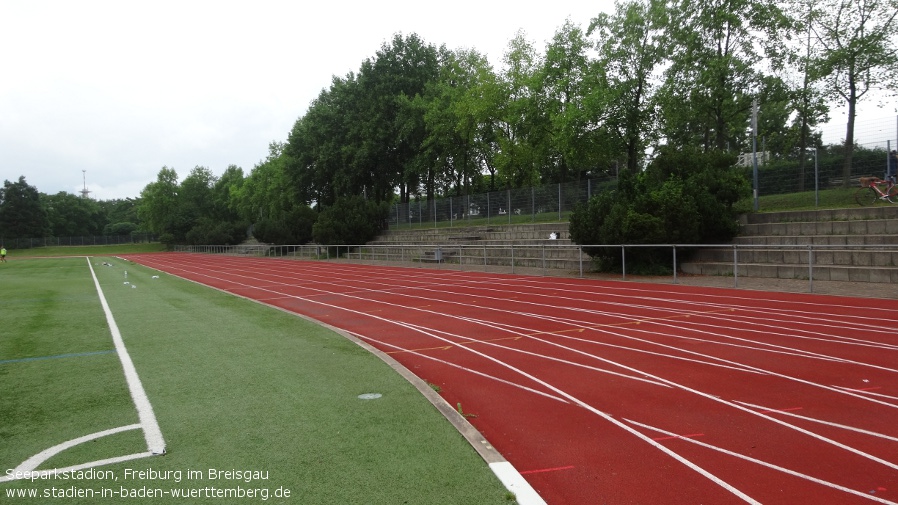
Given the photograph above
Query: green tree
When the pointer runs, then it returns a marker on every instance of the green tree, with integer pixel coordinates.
(859, 56)
(632, 46)
(120, 214)
(159, 205)
(70, 215)
(717, 46)
(521, 125)
(571, 91)
(21, 212)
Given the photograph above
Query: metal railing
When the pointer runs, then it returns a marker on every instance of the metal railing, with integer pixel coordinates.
(870, 263)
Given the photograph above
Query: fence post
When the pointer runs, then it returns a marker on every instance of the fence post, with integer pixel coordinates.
(559, 201)
(623, 262)
(508, 210)
(811, 267)
(580, 260)
(675, 263)
(735, 266)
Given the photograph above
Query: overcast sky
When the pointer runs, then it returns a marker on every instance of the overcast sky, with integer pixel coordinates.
(121, 88)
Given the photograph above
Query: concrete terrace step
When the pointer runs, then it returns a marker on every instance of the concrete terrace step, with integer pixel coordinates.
(854, 244)
(794, 271)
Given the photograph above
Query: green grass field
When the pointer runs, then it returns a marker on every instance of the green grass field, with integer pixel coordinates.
(234, 386)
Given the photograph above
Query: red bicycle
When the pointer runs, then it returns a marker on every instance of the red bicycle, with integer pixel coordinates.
(874, 189)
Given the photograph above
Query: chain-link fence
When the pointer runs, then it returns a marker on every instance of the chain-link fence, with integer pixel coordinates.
(820, 177)
(28, 243)
(523, 205)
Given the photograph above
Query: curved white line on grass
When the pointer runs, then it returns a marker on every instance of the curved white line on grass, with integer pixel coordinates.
(31, 464)
(151, 430)
(765, 464)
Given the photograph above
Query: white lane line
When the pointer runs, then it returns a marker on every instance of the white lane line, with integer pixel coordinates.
(765, 464)
(152, 432)
(820, 421)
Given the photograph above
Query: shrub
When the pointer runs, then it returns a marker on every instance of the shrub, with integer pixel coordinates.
(684, 197)
(350, 220)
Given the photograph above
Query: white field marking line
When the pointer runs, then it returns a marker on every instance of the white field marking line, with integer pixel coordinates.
(31, 464)
(821, 421)
(570, 397)
(765, 464)
(866, 392)
(456, 365)
(151, 430)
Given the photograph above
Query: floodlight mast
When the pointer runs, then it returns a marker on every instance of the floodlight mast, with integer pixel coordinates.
(85, 191)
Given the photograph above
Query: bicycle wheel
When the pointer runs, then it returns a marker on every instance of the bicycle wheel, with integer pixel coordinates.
(893, 194)
(866, 196)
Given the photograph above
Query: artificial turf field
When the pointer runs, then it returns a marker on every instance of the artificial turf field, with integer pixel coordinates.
(255, 405)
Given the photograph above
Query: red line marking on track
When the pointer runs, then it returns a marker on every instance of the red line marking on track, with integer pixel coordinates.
(694, 435)
(543, 470)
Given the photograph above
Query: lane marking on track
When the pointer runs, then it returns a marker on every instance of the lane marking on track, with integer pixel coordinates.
(466, 342)
(820, 421)
(766, 464)
(455, 365)
(773, 411)
(626, 323)
(867, 391)
(544, 470)
(693, 435)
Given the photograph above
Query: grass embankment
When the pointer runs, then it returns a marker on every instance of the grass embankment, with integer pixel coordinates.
(234, 386)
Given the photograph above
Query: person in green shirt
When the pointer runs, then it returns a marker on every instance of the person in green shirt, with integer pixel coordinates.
(2, 254)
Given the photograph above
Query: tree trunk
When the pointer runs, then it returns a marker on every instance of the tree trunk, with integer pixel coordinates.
(849, 134)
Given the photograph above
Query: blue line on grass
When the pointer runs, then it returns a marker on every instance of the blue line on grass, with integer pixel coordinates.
(72, 355)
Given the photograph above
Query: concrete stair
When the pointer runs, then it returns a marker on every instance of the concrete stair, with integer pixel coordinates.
(520, 245)
(856, 244)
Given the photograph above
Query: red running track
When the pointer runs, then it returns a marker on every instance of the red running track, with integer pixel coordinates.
(611, 392)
